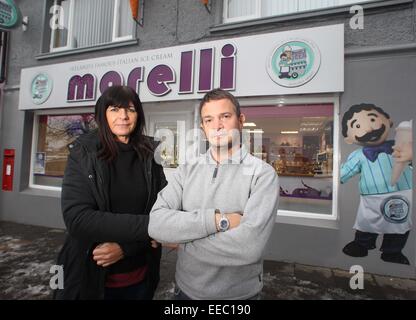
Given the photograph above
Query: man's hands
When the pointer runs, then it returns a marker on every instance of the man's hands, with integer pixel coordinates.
(154, 244)
(233, 217)
(107, 254)
(173, 246)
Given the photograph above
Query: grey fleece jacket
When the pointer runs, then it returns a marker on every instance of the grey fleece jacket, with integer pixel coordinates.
(211, 264)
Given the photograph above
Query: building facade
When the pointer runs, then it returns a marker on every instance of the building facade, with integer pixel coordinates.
(296, 67)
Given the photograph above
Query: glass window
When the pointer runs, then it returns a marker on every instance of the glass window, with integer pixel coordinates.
(167, 134)
(298, 141)
(239, 10)
(171, 129)
(53, 134)
(124, 20)
(80, 23)
(59, 24)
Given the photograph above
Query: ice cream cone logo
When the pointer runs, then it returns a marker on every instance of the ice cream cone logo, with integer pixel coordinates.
(403, 141)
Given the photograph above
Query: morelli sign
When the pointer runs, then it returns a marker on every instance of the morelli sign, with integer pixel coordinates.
(293, 62)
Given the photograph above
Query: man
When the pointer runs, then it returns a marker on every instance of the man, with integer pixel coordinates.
(384, 208)
(220, 210)
(284, 65)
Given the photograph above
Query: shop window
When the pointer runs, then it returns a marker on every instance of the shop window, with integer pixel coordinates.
(241, 10)
(167, 134)
(80, 24)
(52, 134)
(298, 142)
(171, 129)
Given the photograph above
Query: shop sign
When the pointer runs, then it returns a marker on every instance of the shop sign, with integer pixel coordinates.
(304, 61)
(41, 88)
(294, 63)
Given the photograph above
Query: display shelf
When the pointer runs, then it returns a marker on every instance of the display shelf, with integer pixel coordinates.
(295, 175)
(304, 199)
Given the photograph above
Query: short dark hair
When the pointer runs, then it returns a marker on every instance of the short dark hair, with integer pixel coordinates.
(219, 94)
(358, 108)
(120, 96)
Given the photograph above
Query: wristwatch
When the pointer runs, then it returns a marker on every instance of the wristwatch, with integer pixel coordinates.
(223, 223)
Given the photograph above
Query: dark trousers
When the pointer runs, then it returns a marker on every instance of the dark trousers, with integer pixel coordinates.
(134, 292)
(392, 242)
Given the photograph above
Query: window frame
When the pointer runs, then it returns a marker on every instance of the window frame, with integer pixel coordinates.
(116, 29)
(114, 32)
(304, 218)
(288, 16)
(53, 31)
(254, 16)
(36, 115)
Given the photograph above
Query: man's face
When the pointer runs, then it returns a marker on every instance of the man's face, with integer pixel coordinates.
(220, 123)
(368, 128)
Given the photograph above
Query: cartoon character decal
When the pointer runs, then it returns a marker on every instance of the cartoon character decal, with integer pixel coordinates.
(385, 183)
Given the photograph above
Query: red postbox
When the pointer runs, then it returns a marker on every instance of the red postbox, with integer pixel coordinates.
(8, 169)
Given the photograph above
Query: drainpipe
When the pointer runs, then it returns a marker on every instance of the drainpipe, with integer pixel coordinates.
(4, 36)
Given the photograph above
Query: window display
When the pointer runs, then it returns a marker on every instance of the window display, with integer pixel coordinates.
(167, 133)
(54, 133)
(297, 141)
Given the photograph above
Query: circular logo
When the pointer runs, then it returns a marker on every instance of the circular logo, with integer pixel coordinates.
(41, 88)
(395, 209)
(294, 63)
(9, 14)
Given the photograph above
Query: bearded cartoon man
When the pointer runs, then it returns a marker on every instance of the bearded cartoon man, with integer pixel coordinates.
(384, 209)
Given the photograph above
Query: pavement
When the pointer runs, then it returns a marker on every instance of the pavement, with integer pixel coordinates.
(28, 252)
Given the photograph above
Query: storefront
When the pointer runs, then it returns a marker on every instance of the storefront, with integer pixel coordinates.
(290, 116)
(291, 88)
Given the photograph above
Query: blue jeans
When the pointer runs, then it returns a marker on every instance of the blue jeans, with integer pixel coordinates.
(136, 291)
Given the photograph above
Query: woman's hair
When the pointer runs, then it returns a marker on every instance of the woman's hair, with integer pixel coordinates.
(120, 96)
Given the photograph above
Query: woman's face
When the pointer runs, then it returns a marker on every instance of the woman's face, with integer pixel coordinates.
(122, 121)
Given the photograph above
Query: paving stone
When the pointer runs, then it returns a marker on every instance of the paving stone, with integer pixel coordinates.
(397, 288)
(28, 252)
(371, 289)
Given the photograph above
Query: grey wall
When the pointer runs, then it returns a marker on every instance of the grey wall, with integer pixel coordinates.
(22, 205)
(385, 79)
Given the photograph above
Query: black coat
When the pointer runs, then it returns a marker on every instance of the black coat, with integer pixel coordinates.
(87, 216)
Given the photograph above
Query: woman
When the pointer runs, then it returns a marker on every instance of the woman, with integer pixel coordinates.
(111, 182)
